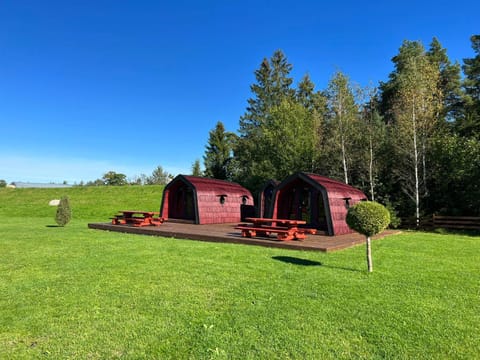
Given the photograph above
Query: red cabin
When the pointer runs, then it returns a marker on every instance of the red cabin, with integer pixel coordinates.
(320, 201)
(204, 201)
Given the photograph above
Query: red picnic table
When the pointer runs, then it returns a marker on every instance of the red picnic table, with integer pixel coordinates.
(137, 218)
(286, 229)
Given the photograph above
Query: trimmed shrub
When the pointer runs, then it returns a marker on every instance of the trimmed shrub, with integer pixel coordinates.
(64, 213)
(368, 218)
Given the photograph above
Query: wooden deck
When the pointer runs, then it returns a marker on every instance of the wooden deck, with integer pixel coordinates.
(227, 234)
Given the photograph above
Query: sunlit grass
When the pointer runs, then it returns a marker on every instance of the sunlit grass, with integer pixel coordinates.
(88, 202)
(78, 293)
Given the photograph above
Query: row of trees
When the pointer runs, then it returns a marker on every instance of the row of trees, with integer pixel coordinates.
(412, 141)
(112, 178)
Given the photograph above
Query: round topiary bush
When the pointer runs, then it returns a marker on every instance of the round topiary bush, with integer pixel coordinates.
(368, 218)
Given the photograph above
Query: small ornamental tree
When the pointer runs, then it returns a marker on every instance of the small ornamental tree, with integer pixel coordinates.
(64, 213)
(368, 218)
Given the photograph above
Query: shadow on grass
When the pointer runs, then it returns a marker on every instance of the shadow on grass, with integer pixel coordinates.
(306, 262)
(53, 226)
(297, 261)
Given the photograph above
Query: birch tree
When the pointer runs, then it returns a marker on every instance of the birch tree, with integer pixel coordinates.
(342, 118)
(415, 109)
(373, 135)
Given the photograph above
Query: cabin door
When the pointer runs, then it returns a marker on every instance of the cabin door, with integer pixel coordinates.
(183, 206)
(307, 204)
(304, 211)
(298, 202)
(320, 216)
(267, 200)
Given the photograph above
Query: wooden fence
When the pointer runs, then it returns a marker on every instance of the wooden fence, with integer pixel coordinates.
(456, 222)
(446, 222)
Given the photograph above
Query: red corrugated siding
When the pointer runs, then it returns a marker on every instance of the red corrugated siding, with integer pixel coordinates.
(210, 210)
(337, 192)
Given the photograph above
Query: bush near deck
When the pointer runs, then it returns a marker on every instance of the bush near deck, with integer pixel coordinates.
(74, 292)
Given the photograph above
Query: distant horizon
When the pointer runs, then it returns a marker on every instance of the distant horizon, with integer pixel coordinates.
(25, 184)
(127, 87)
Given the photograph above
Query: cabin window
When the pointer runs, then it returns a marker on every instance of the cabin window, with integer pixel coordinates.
(222, 199)
(244, 199)
(347, 202)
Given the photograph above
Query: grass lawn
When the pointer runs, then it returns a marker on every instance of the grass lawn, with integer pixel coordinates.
(78, 293)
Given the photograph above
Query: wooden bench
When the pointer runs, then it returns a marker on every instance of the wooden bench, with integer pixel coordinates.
(156, 221)
(137, 218)
(288, 230)
(252, 231)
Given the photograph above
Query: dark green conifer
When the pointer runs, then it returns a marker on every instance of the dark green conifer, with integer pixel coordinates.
(469, 125)
(218, 153)
(64, 212)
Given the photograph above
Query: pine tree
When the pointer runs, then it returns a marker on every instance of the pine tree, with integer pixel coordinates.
(310, 99)
(450, 81)
(159, 177)
(64, 212)
(196, 169)
(389, 89)
(273, 85)
(470, 124)
(218, 153)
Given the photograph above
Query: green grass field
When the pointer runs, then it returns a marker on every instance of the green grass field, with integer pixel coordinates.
(77, 293)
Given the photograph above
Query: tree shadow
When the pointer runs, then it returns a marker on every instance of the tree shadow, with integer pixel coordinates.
(306, 262)
(297, 261)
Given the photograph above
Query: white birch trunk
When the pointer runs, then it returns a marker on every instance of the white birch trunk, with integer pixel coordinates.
(415, 153)
(369, 255)
(370, 170)
(342, 137)
(424, 164)
(344, 161)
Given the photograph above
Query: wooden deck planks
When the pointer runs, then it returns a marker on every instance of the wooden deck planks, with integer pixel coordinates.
(226, 233)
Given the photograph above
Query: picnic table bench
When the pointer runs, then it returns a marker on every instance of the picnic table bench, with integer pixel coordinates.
(285, 229)
(137, 218)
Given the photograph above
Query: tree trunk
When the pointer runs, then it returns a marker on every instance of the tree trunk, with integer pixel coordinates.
(344, 161)
(369, 255)
(370, 170)
(424, 165)
(415, 153)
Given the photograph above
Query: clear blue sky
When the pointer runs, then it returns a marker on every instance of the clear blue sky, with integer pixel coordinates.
(92, 86)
